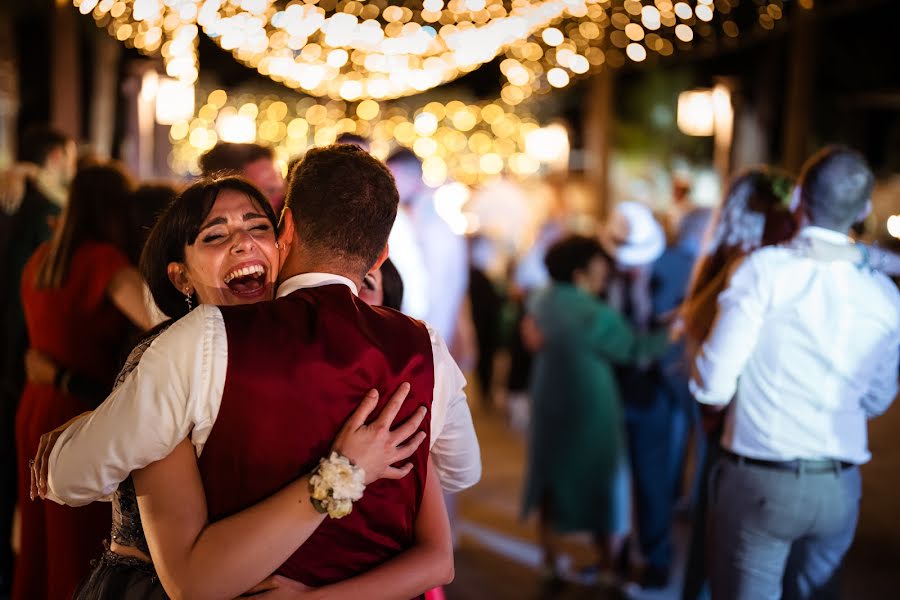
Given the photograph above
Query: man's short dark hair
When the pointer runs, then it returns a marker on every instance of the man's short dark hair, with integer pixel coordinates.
(344, 203)
(39, 142)
(570, 254)
(227, 158)
(835, 185)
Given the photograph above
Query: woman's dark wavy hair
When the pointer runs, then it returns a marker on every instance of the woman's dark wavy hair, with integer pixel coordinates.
(755, 213)
(178, 227)
(391, 286)
(571, 254)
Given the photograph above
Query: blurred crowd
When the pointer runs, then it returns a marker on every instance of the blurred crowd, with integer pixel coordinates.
(598, 340)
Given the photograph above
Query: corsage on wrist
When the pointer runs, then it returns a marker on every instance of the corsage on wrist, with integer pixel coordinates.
(335, 485)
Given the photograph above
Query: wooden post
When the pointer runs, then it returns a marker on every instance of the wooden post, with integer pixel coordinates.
(598, 130)
(9, 88)
(103, 97)
(801, 57)
(65, 87)
(723, 138)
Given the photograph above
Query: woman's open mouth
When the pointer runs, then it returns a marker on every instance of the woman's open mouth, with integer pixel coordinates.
(247, 281)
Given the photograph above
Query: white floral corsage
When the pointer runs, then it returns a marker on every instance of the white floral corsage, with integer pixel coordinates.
(335, 485)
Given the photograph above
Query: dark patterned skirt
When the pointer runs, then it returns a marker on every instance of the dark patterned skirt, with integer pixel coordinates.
(121, 577)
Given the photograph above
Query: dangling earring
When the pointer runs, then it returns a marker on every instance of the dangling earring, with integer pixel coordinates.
(276, 245)
(187, 298)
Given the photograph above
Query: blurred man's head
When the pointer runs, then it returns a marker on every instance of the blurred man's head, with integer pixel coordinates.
(254, 162)
(836, 188)
(352, 139)
(53, 152)
(407, 170)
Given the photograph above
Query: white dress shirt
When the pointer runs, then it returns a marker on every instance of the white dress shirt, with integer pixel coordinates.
(176, 391)
(809, 347)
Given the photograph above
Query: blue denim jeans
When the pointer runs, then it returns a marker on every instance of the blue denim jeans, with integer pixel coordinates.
(779, 534)
(649, 428)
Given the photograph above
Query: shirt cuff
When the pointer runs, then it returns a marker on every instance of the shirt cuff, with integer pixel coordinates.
(704, 396)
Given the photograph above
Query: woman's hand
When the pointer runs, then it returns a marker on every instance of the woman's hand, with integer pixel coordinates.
(40, 464)
(277, 587)
(39, 368)
(375, 447)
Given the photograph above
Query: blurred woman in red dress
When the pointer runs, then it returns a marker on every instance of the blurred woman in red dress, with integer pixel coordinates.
(80, 295)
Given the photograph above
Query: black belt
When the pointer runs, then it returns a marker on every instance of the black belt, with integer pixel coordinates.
(799, 465)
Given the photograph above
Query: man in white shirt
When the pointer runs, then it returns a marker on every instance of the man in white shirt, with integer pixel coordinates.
(444, 254)
(802, 353)
(177, 390)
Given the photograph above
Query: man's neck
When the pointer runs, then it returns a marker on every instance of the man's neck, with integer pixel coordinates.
(297, 265)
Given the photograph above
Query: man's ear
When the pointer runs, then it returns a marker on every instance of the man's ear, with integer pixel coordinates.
(286, 232)
(385, 252)
(179, 278)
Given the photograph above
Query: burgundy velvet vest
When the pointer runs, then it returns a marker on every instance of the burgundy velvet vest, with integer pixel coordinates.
(297, 368)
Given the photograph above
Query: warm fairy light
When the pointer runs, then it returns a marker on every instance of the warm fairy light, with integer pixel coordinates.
(636, 52)
(893, 226)
(558, 77)
(684, 33)
(650, 17)
(467, 143)
(548, 144)
(696, 113)
(683, 11)
(634, 32)
(367, 110)
(552, 36)
(174, 101)
(236, 127)
(704, 12)
(426, 124)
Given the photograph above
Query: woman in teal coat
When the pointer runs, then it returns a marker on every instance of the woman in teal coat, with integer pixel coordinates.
(577, 461)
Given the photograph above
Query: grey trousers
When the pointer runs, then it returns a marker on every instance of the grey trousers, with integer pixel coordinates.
(779, 534)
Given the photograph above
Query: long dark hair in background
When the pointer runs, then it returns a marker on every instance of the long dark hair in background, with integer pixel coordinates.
(755, 212)
(98, 210)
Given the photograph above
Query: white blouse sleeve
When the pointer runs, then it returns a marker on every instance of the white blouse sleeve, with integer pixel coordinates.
(175, 391)
(454, 445)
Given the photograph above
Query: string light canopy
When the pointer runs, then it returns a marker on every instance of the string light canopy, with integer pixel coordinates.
(465, 142)
(354, 50)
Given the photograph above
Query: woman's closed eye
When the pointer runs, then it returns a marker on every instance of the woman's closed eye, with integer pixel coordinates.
(212, 237)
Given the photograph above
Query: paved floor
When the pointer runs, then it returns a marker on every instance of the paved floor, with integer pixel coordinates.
(498, 559)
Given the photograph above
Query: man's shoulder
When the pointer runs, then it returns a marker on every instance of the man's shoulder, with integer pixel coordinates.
(888, 290)
(400, 322)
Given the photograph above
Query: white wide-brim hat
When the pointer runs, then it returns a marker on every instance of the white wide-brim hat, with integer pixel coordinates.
(645, 240)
